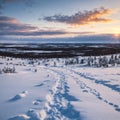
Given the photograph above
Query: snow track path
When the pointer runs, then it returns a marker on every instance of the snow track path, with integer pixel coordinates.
(58, 105)
(90, 90)
(62, 93)
(86, 88)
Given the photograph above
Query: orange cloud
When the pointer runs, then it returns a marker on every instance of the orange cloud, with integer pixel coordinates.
(82, 18)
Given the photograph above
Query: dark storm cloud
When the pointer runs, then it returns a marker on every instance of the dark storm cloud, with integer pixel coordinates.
(82, 18)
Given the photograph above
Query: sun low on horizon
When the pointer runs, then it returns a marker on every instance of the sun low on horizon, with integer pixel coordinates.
(58, 19)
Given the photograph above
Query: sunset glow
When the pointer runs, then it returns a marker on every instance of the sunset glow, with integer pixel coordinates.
(45, 19)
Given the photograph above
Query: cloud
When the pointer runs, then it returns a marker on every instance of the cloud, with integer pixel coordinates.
(33, 33)
(82, 18)
(98, 38)
(12, 26)
(8, 24)
(51, 33)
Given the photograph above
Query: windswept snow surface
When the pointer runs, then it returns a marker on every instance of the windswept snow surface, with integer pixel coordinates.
(39, 92)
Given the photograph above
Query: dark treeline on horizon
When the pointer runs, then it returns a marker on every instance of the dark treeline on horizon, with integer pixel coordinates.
(57, 50)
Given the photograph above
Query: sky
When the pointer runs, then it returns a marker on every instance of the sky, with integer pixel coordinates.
(60, 20)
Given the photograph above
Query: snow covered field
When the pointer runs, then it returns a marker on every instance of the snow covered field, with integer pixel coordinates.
(58, 92)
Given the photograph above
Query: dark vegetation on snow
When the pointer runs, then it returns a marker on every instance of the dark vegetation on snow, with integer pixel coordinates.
(57, 50)
(91, 61)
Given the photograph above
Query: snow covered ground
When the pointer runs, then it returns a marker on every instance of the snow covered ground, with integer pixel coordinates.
(40, 92)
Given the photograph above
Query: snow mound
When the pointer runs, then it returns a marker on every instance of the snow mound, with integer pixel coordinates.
(33, 115)
(20, 117)
(36, 102)
(19, 96)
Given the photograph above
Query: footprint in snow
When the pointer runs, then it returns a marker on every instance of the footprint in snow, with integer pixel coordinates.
(39, 85)
(37, 102)
(117, 109)
(46, 81)
(18, 96)
(86, 91)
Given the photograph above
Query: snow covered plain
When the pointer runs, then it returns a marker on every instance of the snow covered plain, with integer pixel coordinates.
(45, 92)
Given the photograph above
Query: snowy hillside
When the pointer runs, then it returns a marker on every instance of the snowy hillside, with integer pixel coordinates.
(58, 90)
